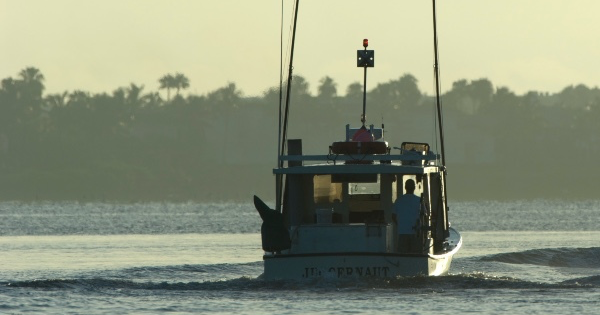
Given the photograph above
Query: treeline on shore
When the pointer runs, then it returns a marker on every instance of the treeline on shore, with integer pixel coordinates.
(135, 145)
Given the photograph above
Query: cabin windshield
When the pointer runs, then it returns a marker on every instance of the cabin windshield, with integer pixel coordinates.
(364, 188)
(361, 184)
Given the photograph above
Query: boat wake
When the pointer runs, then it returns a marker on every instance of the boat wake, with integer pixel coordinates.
(419, 284)
(552, 257)
(231, 270)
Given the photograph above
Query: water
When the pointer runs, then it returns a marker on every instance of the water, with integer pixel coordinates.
(519, 257)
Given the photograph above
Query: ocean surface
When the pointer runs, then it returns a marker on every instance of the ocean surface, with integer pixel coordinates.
(518, 257)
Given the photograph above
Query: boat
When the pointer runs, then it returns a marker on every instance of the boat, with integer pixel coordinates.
(342, 214)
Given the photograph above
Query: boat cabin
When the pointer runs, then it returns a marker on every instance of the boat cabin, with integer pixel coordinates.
(346, 203)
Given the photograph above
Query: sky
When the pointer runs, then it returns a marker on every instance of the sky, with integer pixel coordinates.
(101, 45)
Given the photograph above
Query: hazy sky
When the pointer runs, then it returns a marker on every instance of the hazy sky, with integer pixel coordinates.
(100, 45)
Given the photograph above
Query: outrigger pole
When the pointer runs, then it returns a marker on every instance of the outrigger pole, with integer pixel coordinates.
(280, 85)
(437, 86)
(279, 184)
(439, 114)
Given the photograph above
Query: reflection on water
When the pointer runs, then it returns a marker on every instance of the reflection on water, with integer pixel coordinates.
(88, 252)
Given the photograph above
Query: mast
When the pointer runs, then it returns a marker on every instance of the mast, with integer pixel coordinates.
(279, 177)
(279, 181)
(439, 114)
(289, 87)
(365, 59)
(437, 86)
(280, 85)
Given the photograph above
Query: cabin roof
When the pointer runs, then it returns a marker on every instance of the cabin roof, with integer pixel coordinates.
(360, 164)
(393, 168)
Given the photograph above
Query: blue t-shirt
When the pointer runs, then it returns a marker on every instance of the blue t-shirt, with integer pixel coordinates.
(407, 209)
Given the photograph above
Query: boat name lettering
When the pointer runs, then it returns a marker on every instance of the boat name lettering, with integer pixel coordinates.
(340, 272)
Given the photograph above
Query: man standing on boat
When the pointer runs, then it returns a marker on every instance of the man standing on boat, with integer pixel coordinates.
(406, 209)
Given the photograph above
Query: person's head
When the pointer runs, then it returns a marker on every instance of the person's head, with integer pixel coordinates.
(409, 185)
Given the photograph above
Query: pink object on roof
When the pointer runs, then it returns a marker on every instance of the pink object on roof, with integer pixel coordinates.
(362, 135)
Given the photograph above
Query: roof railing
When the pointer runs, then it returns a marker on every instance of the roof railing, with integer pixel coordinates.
(405, 159)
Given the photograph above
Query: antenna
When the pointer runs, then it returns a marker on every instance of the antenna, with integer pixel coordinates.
(365, 59)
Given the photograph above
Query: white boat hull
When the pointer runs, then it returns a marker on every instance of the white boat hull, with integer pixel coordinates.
(353, 265)
(358, 265)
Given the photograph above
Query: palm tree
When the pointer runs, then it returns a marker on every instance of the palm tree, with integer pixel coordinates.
(300, 86)
(354, 90)
(9, 87)
(225, 98)
(134, 94)
(181, 82)
(56, 100)
(327, 88)
(151, 100)
(79, 99)
(167, 82)
(32, 80)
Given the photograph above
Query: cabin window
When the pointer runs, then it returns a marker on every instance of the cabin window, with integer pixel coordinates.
(325, 191)
(365, 188)
(401, 183)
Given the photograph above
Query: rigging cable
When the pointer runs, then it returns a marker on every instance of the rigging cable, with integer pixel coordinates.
(283, 134)
(280, 82)
(439, 109)
(437, 86)
(281, 73)
(434, 135)
(437, 125)
(289, 86)
(282, 64)
(278, 178)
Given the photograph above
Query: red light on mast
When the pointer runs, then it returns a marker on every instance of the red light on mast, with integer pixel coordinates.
(365, 43)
